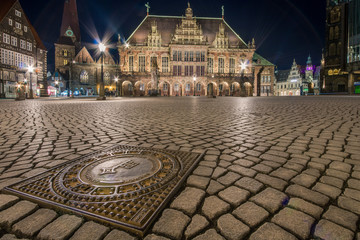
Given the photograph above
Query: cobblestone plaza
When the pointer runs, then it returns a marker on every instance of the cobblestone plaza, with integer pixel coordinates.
(274, 168)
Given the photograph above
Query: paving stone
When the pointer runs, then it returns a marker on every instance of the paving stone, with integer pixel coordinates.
(228, 178)
(262, 168)
(341, 217)
(295, 221)
(214, 187)
(246, 172)
(270, 199)
(352, 193)
(149, 237)
(309, 195)
(15, 213)
(91, 231)
(198, 181)
(271, 231)
(62, 228)
(306, 207)
(249, 184)
(274, 182)
(244, 163)
(336, 182)
(11, 237)
(231, 228)
(349, 204)
(209, 234)
(251, 214)
(304, 180)
(116, 235)
(7, 201)
(353, 183)
(341, 166)
(203, 171)
(336, 173)
(188, 200)
(172, 224)
(214, 207)
(32, 224)
(283, 173)
(219, 171)
(234, 195)
(331, 231)
(197, 224)
(327, 190)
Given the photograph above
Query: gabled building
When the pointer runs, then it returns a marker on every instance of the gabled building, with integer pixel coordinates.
(79, 65)
(20, 48)
(188, 55)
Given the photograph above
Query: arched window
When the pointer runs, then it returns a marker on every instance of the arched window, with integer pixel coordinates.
(339, 46)
(198, 87)
(84, 77)
(107, 78)
(331, 33)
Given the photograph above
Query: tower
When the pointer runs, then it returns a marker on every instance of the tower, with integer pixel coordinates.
(69, 42)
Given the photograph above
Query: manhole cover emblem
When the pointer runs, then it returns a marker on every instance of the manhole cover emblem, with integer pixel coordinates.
(123, 185)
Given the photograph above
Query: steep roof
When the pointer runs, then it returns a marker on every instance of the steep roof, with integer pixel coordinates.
(282, 75)
(262, 62)
(166, 26)
(70, 19)
(6, 5)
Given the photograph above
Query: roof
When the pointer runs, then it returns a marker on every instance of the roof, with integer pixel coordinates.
(263, 61)
(70, 19)
(282, 75)
(65, 40)
(166, 26)
(6, 5)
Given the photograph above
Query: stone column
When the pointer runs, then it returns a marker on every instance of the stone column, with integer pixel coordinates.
(351, 86)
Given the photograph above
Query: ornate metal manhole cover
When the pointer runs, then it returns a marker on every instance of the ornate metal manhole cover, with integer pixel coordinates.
(123, 185)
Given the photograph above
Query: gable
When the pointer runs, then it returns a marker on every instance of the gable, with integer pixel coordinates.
(84, 56)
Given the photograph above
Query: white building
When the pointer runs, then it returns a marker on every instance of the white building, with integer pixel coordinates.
(290, 85)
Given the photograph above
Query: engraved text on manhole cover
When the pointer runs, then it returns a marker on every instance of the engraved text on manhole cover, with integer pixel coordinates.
(123, 186)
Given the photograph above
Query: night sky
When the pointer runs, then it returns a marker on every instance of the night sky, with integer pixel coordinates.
(283, 29)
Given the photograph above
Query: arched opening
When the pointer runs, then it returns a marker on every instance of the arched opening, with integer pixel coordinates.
(224, 89)
(248, 89)
(139, 89)
(212, 89)
(127, 89)
(164, 89)
(188, 89)
(235, 89)
(177, 90)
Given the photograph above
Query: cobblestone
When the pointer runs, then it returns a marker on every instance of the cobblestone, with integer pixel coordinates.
(214, 207)
(232, 228)
(172, 224)
(7, 201)
(197, 224)
(331, 231)
(116, 234)
(188, 200)
(268, 139)
(233, 195)
(91, 231)
(15, 213)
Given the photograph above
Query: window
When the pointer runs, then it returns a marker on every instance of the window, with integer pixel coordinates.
(6, 38)
(65, 53)
(175, 56)
(202, 72)
(22, 44)
(107, 78)
(176, 87)
(187, 87)
(17, 25)
(17, 13)
(10, 22)
(153, 60)
(165, 64)
(84, 77)
(210, 65)
(203, 56)
(191, 58)
(179, 70)
(186, 58)
(66, 62)
(14, 41)
(187, 73)
(198, 57)
(221, 87)
(198, 87)
(232, 65)
(131, 63)
(141, 63)
(179, 57)
(165, 87)
(25, 28)
(29, 46)
(142, 87)
(198, 70)
(221, 65)
(175, 70)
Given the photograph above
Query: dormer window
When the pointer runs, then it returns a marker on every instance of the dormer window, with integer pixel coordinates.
(17, 13)
(10, 22)
(17, 25)
(25, 28)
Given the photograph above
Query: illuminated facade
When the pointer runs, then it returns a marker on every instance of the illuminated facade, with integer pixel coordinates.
(20, 48)
(341, 72)
(75, 63)
(186, 56)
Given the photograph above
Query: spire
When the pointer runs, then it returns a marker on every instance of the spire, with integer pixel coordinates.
(147, 5)
(189, 11)
(223, 11)
(309, 61)
(70, 21)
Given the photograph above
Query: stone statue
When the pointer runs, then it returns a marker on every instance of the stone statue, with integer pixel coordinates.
(154, 78)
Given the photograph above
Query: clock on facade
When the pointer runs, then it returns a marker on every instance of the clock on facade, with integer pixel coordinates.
(69, 33)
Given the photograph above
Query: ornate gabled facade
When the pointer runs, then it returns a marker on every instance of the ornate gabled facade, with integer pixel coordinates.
(341, 72)
(185, 56)
(81, 70)
(20, 48)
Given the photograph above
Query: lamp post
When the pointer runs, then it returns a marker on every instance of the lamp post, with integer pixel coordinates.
(194, 84)
(31, 70)
(102, 49)
(56, 86)
(116, 86)
(243, 66)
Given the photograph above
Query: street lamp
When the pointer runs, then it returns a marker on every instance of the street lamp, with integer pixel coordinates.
(102, 49)
(116, 86)
(194, 84)
(31, 70)
(56, 86)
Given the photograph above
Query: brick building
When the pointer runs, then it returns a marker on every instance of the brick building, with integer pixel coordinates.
(20, 48)
(187, 55)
